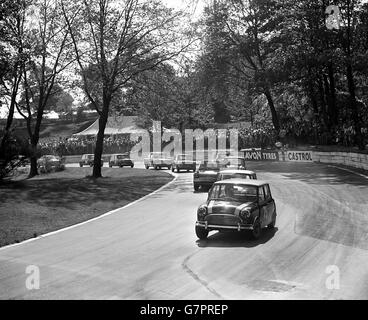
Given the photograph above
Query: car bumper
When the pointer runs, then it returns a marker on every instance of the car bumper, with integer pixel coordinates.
(238, 227)
(185, 166)
(204, 182)
(125, 163)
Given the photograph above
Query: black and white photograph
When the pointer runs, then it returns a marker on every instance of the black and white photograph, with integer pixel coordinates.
(197, 151)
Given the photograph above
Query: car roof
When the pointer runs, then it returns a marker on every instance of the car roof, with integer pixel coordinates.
(237, 171)
(256, 183)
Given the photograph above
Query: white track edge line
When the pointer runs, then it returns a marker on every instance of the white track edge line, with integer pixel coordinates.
(93, 219)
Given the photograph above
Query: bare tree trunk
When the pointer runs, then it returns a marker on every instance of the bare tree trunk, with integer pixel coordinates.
(33, 159)
(275, 117)
(97, 172)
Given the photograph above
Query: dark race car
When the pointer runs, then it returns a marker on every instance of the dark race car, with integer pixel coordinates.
(206, 174)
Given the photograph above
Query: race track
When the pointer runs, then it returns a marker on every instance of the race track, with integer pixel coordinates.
(149, 250)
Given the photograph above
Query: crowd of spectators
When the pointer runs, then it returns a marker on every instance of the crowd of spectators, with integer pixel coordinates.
(298, 133)
(81, 145)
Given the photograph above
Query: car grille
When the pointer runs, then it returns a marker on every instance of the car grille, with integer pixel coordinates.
(223, 210)
(224, 220)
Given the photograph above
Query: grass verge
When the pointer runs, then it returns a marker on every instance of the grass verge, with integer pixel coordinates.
(29, 208)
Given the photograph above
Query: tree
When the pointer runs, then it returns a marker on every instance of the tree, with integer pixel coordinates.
(47, 42)
(11, 58)
(119, 40)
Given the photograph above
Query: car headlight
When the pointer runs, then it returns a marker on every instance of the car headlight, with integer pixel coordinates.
(244, 214)
(202, 211)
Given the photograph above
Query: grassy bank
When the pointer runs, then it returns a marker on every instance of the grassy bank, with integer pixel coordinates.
(29, 208)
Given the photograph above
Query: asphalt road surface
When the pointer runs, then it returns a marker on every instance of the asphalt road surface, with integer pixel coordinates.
(149, 250)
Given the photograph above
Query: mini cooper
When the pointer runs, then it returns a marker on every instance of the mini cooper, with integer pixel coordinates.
(121, 160)
(238, 205)
(234, 174)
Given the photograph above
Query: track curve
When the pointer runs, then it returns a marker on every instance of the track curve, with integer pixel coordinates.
(149, 250)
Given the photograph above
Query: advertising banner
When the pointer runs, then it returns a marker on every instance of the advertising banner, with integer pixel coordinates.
(299, 156)
(261, 155)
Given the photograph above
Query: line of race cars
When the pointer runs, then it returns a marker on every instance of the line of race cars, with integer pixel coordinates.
(236, 200)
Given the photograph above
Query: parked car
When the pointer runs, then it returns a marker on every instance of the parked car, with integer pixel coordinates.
(121, 160)
(49, 163)
(206, 174)
(158, 160)
(183, 162)
(237, 205)
(88, 160)
(234, 174)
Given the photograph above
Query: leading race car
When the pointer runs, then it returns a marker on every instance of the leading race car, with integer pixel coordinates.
(237, 205)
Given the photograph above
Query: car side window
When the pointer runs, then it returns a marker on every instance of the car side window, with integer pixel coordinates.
(269, 192)
(266, 192)
(261, 194)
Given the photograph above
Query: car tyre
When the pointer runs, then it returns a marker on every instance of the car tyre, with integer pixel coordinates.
(81, 165)
(273, 223)
(172, 169)
(147, 167)
(257, 230)
(196, 187)
(177, 170)
(201, 233)
(132, 166)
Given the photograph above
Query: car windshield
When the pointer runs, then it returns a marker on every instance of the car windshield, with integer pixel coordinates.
(234, 192)
(122, 156)
(225, 176)
(90, 156)
(235, 162)
(209, 166)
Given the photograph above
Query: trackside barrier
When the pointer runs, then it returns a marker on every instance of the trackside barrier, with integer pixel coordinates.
(351, 159)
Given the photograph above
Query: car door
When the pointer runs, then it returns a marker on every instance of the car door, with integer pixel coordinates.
(269, 204)
(262, 207)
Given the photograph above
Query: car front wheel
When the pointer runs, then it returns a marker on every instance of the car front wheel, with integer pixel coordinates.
(81, 165)
(273, 223)
(256, 232)
(147, 167)
(201, 233)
